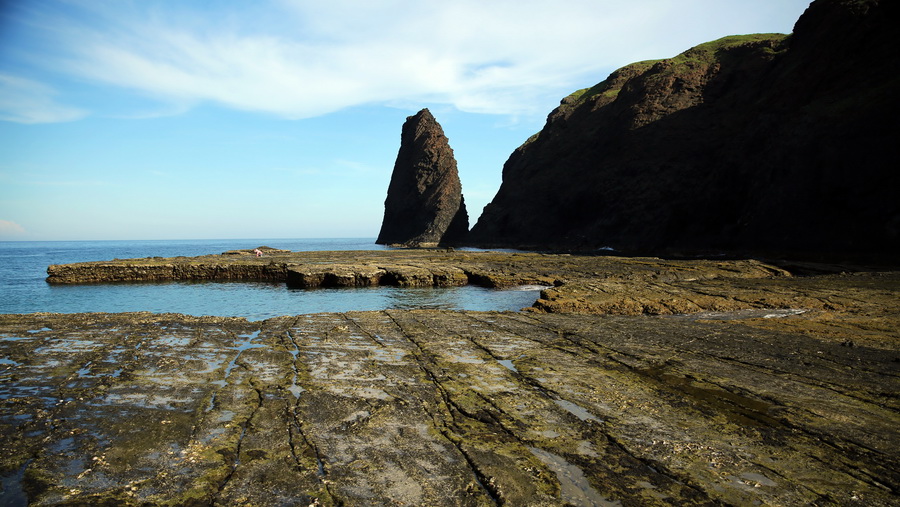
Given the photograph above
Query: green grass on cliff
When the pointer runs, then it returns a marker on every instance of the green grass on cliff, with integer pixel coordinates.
(709, 52)
(702, 55)
(608, 87)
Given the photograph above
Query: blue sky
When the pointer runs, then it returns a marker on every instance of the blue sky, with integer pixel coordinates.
(206, 119)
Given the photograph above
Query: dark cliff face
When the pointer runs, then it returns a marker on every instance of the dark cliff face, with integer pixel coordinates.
(762, 144)
(424, 204)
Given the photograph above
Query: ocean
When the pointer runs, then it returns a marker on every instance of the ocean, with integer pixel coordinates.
(23, 289)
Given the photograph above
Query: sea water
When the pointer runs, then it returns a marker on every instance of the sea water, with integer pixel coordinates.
(23, 289)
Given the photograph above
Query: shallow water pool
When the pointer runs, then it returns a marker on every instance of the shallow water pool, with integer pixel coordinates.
(257, 300)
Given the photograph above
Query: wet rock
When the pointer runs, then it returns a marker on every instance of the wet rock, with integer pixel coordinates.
(573, 283)
(424, 204)
(446, 408)
(640, 380)
(263, 250)
(334, 275)
(403, 267)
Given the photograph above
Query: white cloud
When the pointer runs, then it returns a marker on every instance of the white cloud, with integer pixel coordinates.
(27, 101)
(298, 58)
(9, 228)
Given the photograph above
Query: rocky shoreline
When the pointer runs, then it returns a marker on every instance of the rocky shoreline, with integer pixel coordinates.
(631, 381)
(411, 268)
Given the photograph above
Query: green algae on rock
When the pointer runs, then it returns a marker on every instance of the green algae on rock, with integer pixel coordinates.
(443, 408)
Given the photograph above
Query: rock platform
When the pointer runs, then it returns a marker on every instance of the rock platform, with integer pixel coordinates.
(631, 381)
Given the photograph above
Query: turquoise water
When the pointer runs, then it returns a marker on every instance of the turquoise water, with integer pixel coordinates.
(23, 268)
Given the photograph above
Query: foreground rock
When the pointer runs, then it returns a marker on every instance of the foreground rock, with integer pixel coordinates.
(424, 205)
(444, 408)
(634, 380)
(759, 143)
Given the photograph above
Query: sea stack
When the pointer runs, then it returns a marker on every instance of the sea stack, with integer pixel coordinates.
(424, 205)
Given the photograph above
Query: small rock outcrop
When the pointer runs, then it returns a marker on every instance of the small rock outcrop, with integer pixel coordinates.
(424, 204)
(764, 145)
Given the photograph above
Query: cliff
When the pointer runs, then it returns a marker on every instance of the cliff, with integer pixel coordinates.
(424, 204)
(758, 144)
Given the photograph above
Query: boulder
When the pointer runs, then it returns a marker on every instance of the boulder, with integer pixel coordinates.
(424, 204)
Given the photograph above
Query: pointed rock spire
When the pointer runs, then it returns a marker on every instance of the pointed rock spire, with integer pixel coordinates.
(424, 204)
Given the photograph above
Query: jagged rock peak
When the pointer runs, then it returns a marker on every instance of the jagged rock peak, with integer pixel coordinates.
(424, 204)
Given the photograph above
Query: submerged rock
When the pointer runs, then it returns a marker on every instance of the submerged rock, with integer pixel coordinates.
(424, 204)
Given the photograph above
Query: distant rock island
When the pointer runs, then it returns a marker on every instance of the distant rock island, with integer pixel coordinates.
(424, 204)
(750, 145)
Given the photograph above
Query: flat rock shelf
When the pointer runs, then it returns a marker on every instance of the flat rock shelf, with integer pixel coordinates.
(630, 382)
(441, 408)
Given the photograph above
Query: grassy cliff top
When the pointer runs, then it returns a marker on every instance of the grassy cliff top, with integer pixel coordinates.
(704, 54)
(725, 50)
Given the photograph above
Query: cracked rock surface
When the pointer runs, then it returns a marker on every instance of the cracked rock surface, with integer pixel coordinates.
(450, 408)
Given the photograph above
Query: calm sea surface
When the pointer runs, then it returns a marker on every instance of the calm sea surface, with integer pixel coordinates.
(23, 268)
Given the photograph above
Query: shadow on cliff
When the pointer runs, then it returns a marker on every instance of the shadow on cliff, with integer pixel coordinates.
(772, 145)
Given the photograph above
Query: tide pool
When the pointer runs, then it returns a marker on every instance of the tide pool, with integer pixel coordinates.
(23, 289)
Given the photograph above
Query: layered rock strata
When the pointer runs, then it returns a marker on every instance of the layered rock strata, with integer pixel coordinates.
(762, 144)
(424, 204)
(445, 408)
(574, 283)
(405, 268)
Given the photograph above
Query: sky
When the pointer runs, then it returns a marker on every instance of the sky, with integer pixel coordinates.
(202, 119)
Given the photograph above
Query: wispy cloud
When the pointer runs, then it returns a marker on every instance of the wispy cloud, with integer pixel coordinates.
(10, 228)
(312, 58)
(28, 101)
